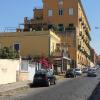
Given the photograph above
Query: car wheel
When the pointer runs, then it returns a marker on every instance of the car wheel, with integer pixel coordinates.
(54, 82)
(48, 83)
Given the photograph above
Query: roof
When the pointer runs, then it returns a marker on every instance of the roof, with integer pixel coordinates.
(33, 33)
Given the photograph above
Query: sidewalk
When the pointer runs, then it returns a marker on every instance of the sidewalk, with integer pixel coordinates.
(61, 76)
(21, 84)
(13, 86)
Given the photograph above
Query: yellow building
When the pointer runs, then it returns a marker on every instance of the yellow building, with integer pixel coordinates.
(71, 20)
(31, 43)
(68, 19)
(37, 43)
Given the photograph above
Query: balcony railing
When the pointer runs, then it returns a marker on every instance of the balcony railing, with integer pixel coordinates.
(79, 47)
(70, 29)
(80, 33)
(80, 19)
(84, 52)
(82, 23)
(88, 35)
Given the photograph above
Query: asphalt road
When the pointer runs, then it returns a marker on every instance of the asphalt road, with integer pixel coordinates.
(67, 89)
(96, 93)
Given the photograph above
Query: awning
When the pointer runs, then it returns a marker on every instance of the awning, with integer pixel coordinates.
(66, 58)
(60, 58)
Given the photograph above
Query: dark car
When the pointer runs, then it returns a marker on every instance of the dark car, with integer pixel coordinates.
(70, 73)
(44, 78)
(91, 73)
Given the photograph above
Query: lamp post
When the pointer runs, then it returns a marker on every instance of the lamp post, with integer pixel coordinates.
(97, 27)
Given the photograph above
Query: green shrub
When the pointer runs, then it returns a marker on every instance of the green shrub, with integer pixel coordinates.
(8, 53)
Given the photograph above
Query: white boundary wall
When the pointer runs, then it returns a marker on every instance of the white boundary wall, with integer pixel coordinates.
(8, 70)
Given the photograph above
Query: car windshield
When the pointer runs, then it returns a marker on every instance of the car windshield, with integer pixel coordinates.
(43, 73)
(84, 68)
(77, 69)
(39, 75)
(70, 70)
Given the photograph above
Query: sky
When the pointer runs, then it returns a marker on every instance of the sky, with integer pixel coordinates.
(12, 13)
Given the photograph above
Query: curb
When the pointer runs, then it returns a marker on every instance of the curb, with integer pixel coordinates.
(19, 87)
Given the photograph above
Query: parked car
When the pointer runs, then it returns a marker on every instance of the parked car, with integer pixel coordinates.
(78, 71)
(91, 73)
(94, 68)
(70, 73)
(84, 70)
(44, 78)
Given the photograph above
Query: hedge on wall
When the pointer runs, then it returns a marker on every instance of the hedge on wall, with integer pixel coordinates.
(8, 53)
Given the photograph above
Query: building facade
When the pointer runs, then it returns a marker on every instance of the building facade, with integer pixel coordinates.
(93, 57)
(30, 43)
(68, 19)
(37, 43)
(98, 60)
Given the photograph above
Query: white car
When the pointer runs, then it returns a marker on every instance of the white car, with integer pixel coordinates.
(78, 71)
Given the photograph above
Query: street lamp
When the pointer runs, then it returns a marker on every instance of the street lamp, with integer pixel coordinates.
(97, 27)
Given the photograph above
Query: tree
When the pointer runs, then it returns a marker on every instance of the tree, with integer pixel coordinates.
(8, 53)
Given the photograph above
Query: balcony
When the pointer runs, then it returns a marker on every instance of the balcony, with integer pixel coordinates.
(80, 19)
(84, 27)
(70, 29)
(79, 48)
(88, 45)
(88, 34)
(80, 34)
(83, 51)
(60, 51)
(82, 23)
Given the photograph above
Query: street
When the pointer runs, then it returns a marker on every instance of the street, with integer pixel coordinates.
(66, 89)
(96, 93)
(49, 50)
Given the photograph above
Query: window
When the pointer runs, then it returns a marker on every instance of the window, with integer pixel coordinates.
(71, 25)
(71, 11)
(58, 47)
(60, 2)
(50, 26)
(60, 12)
(61, 27)
(16, 46)
(49, 12)
(24, 66)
